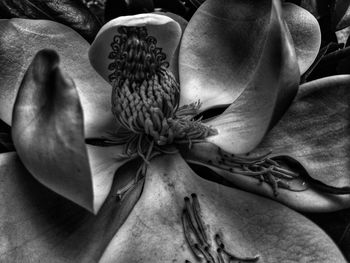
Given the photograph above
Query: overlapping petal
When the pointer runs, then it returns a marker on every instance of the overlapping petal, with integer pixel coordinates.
(37, 225)
(48, 133)
(21, 39)
(222, 48)
(301, 195)
(305, 32)
(268, 88)
(315, 130)
(248, 224)
(165, 30)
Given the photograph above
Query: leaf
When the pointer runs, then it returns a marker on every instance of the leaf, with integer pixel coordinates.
(341, 15)
(318, 61)
(37, 225)
(21, 39)
(343, 61)
(174, 6)
(256, 72)
(6, 144)
(319, 8)
(48, 134)
(68, 12)
(249, 224)
(315, 130)
(117, 8)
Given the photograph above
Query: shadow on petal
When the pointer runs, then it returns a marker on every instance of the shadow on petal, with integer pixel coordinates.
(38, 225)
(267, 93)
(315, 130)
(249, 224)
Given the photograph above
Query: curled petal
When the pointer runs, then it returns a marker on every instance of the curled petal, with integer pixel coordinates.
(21, 39)
(249, 225)
(49, 137)
(305, 32)
(267, 92)
(223, 47)
(165, 30)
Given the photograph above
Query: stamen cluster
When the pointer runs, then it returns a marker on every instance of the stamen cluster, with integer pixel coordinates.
(145, 96)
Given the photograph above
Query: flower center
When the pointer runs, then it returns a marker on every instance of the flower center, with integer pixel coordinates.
(145, 96)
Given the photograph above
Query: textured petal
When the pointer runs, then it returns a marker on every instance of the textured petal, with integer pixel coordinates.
(166, 31)
(222, 48)
(248, 224)
(315, 131)
(306, 34)
(268, 91)
(37, 225)
(21, 39)
(49, 137)
(302, 196)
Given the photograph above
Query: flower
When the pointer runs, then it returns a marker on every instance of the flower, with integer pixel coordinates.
(68, 139)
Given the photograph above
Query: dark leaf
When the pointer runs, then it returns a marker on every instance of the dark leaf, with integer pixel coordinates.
(116, 8)
(6, 144)
(72, 13)
(322, 66)
(341, 14)
(343, 66)
(175, 6)
(319, 8)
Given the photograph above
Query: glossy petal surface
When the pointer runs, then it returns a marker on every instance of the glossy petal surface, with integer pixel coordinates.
(165, 30)
(315, 131)
(38, 225)
(268, 89)
(48, 134)
(21, 39)
(305, 32)
(302, 197)
(249, 224)
(223, 47)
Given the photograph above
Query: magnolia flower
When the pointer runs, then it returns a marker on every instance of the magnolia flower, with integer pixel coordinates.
(114, 138)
